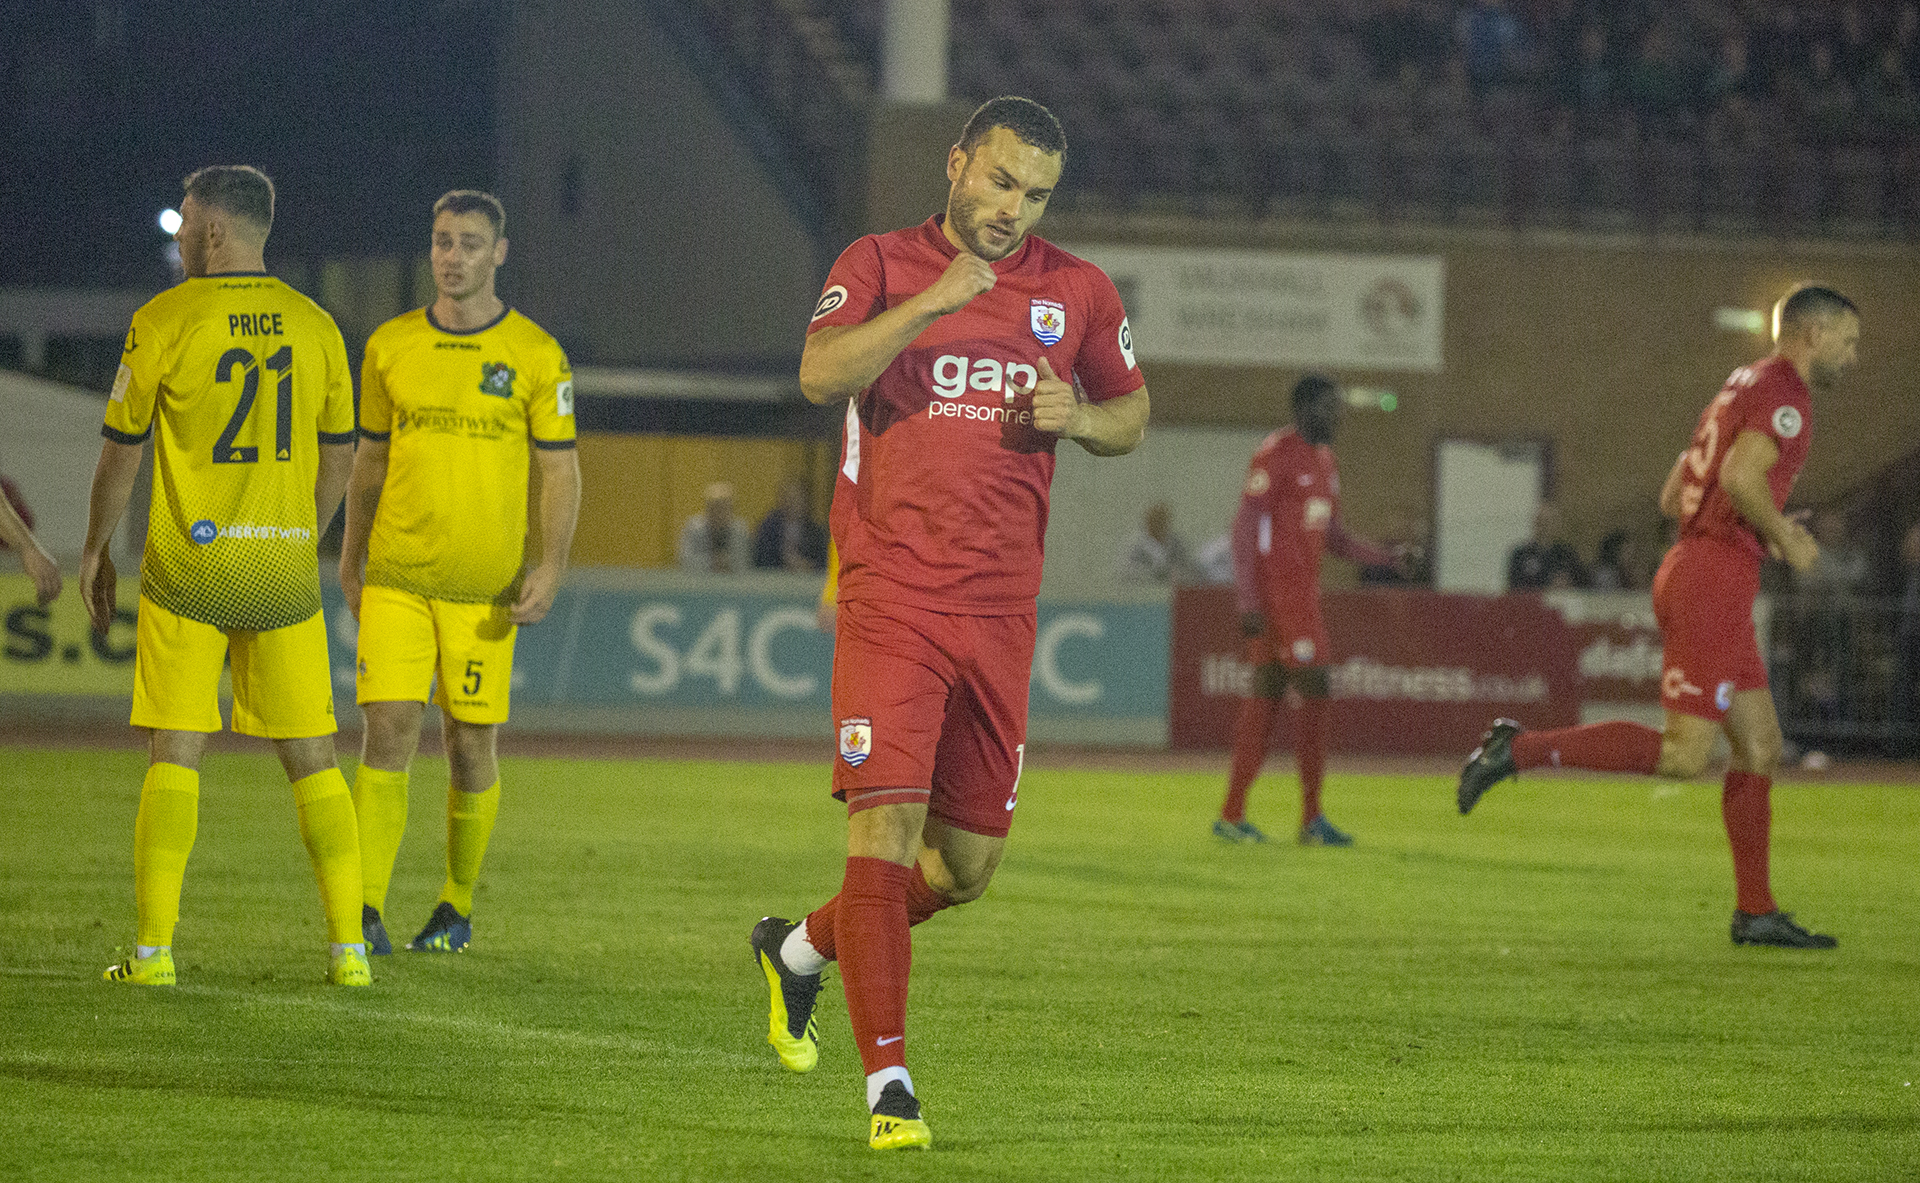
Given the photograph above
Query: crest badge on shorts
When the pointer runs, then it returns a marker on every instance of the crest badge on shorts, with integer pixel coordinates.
(1049, 320)
(856, 740)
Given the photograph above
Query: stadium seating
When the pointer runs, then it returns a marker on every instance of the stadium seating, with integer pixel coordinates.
(1330, 109)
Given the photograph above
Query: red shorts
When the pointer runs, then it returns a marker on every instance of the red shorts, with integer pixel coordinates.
(1703, 603)
(931, 708)
(1296, 637)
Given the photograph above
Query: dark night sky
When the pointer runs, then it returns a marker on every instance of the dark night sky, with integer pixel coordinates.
(362, 113)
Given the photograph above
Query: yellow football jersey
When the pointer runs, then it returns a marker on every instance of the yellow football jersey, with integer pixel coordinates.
(238, 378)
(459, 411)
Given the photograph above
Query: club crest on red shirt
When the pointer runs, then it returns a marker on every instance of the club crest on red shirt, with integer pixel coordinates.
(856, 740)
(1049, 320)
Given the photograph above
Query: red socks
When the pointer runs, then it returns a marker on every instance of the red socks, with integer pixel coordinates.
(876, 953)
(1252, 731)
(1746, 806)
(1599, 747)
(1310, 750)
(922, 902)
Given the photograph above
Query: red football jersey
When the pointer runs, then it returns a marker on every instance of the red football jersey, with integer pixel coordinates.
(1292, 498)
(941, 500)
(1767, 396)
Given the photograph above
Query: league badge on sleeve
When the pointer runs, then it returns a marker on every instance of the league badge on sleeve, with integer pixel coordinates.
(1049, 320)
(856, 740)
(1786, 422)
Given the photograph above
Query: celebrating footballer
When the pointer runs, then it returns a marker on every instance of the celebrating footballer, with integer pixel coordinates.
(966, 350)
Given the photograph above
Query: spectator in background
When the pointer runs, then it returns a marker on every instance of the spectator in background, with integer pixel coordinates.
(1888, 98)
(1732, 73)
(1591, 83)
(1544, 561)
(789, 539)
(1214, 560)
(1617, 565)
(1492, 42)
(716, 539)
(1905, 704)
(1155, 554)
(16, 533)
(1655, 83)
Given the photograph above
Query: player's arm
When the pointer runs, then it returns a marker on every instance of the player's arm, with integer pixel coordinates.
(368, 476)
(113, 479)
(1110, 428)
(330, 483)
(40, 566)
(1362, 552)
(1743, 474)
(554, 513)
(840, 361)
(1670, 491)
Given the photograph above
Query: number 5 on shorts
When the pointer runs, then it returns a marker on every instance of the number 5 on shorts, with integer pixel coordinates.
(471, 683)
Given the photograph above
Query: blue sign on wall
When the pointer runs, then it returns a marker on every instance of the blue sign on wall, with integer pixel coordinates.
(705, 649)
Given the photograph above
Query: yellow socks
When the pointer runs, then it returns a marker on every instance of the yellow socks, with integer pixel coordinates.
(380, 802)
(162, 839)
(469, 825)
(332, 835)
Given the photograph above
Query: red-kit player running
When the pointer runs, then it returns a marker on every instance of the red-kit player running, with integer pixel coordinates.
(965, 346)
(1289, 514)
(1727, 491)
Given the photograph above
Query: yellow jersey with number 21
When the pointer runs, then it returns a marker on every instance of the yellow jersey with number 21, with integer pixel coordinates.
(238, 379)
(459, 411)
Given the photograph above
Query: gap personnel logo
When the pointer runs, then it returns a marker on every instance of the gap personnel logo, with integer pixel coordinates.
(856, 740)
(830, 299)
(496, 379)
(1049, 320)
(203, 531)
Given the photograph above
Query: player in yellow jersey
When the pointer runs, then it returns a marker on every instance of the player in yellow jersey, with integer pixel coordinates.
(242, 384)
(460, 514)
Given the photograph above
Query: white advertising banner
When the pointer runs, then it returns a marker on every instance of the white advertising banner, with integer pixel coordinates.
(1279, 308)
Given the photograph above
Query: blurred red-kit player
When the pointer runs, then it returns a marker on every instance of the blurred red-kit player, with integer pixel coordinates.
(1289, 515)
(1728, 491)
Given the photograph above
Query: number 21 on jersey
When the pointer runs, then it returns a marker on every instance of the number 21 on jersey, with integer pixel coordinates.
(225, 450)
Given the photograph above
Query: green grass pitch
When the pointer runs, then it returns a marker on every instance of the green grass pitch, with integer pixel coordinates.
(1544, 990)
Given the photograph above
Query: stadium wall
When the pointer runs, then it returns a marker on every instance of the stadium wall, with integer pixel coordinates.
(1605, 345)
(645, 230)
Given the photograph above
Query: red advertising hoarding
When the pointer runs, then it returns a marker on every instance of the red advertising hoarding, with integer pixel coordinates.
(1413, 672)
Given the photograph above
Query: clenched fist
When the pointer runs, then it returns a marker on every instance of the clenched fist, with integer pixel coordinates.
(966, 277)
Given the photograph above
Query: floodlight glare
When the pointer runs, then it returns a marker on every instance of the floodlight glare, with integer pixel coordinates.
(169, 221)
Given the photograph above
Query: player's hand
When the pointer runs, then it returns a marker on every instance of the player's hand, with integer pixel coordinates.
(967, 276)
(1056, 408)
(536, 595)
(1796, 547)
(99, 586)
(45, 572)
(351, 584)
(1252, 624)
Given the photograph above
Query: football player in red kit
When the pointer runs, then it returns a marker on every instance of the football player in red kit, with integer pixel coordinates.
(969, 349)
(1727, 490)
(1289, 514)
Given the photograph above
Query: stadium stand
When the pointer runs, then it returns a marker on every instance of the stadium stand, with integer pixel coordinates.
(1637, 116)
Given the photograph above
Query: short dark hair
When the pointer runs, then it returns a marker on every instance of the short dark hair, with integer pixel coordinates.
(1809, 302)
(1312, 386)
(238, 189)
(1028, 120)
(473, 201)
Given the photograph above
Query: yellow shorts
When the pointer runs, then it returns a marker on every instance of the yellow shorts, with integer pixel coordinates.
(282, 679)
(405, 639)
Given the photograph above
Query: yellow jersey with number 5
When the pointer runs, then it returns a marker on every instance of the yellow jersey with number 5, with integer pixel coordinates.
(238, 379)
(460, 412)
